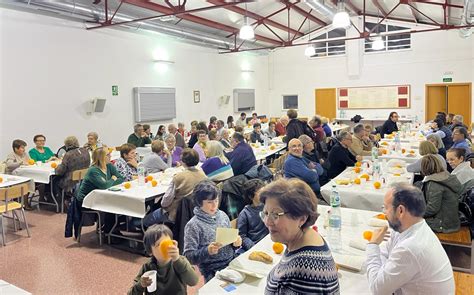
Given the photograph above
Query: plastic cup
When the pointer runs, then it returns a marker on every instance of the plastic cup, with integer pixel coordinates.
(39, 163)
(151, 274)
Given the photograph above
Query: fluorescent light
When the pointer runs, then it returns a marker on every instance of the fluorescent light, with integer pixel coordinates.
(309, 51)
(247, 71)
(246, 31)
(162, 61)
(377, 43)
(341, 19)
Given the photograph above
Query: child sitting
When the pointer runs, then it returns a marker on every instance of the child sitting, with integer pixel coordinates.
(250, 225)
(200, 232)
(174, 272)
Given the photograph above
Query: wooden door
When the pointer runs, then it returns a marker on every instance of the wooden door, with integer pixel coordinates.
(325, 102)
(459, 101)
(435, 100)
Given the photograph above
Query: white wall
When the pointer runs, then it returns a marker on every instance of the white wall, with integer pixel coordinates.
(51, 68)
(431, 55)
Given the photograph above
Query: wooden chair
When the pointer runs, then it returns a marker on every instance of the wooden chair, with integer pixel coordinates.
(76, 176)
(464, 283)
(461, 240)
(8, 204)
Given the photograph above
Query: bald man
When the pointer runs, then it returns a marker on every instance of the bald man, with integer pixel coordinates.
(179, 138)
(299, 167)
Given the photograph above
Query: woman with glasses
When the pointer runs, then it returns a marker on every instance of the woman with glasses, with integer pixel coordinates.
(290, 209)
(41, 153)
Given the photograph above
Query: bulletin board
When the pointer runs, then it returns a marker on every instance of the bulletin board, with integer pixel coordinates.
(374, 97)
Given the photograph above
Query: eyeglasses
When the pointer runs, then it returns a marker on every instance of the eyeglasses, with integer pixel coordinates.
(273, 216)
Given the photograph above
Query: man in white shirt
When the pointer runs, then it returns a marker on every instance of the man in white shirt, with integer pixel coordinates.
(413, 260)
(241, 120)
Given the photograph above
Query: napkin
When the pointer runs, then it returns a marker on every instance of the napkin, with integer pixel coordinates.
(358, 244)
(377, 222)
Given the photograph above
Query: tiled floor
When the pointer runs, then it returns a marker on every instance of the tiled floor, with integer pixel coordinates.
(48, 263)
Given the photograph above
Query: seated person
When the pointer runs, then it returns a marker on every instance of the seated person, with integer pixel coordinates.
(219, 129)
(174, 272)
(153, 161)
(256, 134)
(361, 143)
(280, 126)
(371, 134)
(127, 164)
(17, 158)
(461, 139)
(230, 122)
(193, 134)
(179, 139)
(212, 123)
(41, 153)
(147, 129)
(100, 175)
(441, 191)
(212, 135)
(161, 133)
(217, 166)
(462, 170)
(438, 143)
(181, 129)
(413, 260)
(92, 141)
(250, 225)
(200, 145)
(326, 128)
(426, 148)
(340, 157)
(299, 167)
(242, 157)
(254, 119)
(200, 232)
(458, 121)
(316, 124)
(75, 158)
(180, 187)
(174, 150)
(225, 140)
(309, 151)
(438, 127)
(139, 138)
(390, 125)
(270, 132)
(241, 121)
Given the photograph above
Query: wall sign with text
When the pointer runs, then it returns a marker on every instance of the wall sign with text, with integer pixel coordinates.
(375, 97)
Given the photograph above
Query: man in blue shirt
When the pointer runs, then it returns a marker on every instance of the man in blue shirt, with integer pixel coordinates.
(242, 157)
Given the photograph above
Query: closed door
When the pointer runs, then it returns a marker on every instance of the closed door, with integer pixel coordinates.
(435, 101)
(325, 101)
(459, 101)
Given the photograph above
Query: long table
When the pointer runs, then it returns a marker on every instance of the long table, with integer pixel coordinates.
(354, 223)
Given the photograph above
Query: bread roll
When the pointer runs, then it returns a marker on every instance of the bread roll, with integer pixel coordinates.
(261, 256)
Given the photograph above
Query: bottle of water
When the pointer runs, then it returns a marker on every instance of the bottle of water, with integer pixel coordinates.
(377, 170)
(335, 221)
(375, 154)
(398, 146)
(265, 140)
(141, 173)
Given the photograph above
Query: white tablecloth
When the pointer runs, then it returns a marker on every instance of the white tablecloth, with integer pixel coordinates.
(338, 128)
(9, 289)
(10, 180)
(129, 202)
(261, 152)
(354, 223)
(40, 174)
(401, 156)
(361, 196)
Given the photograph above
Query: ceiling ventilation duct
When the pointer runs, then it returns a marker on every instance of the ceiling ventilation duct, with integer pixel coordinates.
(467, 19)
(321, 7)
(95, 13)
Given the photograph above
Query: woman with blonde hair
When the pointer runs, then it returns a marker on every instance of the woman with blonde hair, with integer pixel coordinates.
(426, 148)
(217, 167)
(438, 143)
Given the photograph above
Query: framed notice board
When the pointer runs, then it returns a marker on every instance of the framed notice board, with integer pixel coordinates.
(374, 97)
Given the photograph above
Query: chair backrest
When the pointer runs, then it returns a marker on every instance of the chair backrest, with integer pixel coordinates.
(78, 175)
(13, 192)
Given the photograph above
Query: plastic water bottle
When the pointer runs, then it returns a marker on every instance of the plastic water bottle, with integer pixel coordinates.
(335, 221)
(377, 170)
(398, 146)
(375, 154)
(141, 173)
(265, 140)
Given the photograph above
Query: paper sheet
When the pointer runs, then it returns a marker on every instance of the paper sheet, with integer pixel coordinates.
(226, 236)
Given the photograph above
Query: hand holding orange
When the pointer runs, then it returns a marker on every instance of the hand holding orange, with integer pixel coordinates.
(278, 248)
(164, 245)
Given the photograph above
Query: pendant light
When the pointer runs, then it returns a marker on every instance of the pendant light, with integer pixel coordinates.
(246, 31)
(309, 50)
(377, 41)
(341, 19)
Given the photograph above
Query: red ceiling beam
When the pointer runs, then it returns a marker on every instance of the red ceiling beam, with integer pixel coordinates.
(399, 19)
(439, 3)
(260, 19)
(306, 14)
(195, 19)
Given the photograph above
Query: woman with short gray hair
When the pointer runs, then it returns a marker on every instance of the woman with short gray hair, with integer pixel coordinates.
(75, 158)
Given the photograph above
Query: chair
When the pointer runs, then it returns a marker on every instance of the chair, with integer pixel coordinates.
(7, 196)
(98, 224)
(76, 176)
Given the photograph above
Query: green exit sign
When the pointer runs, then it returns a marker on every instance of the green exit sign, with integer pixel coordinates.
(447, 80)
(115, 90)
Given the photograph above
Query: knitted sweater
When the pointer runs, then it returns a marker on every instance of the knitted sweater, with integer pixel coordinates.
(200, 231)
(242, 158)
(14, 161)
(74, 159)
(216, 170)
(97, 179)
(251, 227)
(172, 278)
(308, 270)
(198, 148)
(154, 163)
(298, 167)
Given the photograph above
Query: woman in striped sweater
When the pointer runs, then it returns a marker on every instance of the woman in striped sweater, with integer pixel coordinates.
(217, 166)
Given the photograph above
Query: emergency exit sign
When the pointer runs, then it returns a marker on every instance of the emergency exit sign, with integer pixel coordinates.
(115, 90)
(447, 80)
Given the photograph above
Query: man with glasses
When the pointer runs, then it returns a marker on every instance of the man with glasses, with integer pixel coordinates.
(390, 125)
(297, 166)
(340, 157)
(413, 260)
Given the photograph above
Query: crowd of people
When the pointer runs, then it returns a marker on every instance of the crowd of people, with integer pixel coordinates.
(217, 151)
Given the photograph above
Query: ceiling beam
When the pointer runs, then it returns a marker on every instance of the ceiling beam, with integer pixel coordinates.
(379, 7)
(352, 6)
(399, 19)
(304, 13)
(439, 3)
(257, 17)
(196, 19)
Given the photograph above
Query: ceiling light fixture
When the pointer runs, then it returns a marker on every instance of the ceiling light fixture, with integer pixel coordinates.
(310, 50)
(246, 31)
(341, 19)
(377, 41)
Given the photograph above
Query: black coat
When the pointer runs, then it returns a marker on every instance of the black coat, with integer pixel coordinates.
(339, 159)
(388, 127)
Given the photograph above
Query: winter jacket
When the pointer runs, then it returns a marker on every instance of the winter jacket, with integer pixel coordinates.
(442, 191)
(388, 128)
(251, 227)
(241, 158)
(339, 159)
(298, 167)
(74, 159)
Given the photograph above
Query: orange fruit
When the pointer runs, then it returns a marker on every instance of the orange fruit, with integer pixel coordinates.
(127, 185)
(384, 151)
(381, 216)
(404, 151)
(366, 176)
(154, 183)
(367, 235)
(357, 169)
(1, 180)
(412, 151)
(149, 178)
(54, 165)
(397, 174)
(384, 143)
(358, 164)
(31, 161)
(164, 245)
(357, 181)
(377, 185)
(278, 248)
